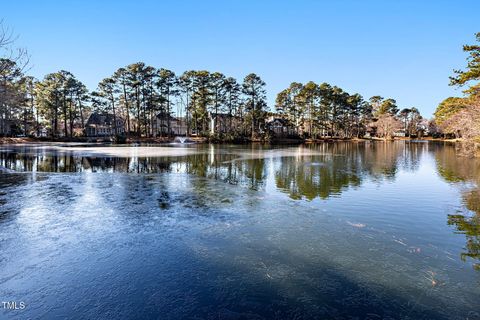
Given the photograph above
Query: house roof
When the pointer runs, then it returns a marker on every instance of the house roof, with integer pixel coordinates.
(165, 116)
(281, 120)
(101, 119)
(221, 115)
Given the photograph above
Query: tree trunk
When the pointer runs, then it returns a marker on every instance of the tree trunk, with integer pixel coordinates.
(126, 107)
(253, 116)
(55, 122)
(114, 115)
(65, 115)
(187, 120)
(168, 113)
(82, 119)
(137, 98)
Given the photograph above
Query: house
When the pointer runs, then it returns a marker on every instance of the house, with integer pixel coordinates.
(222, 122)
(370, 131)
(103, 125)
(400, 133)
(280, 126)
(41, 132)
(178, 126)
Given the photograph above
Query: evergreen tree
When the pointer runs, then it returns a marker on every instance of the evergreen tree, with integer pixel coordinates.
(255, 102)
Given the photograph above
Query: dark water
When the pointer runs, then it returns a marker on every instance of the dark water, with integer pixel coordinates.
(345, 231)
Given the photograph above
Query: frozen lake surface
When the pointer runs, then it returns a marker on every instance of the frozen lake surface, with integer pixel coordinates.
(344, 231)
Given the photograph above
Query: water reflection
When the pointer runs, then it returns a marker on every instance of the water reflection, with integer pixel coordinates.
(317, 231)
(344, 165)
(304, 172)
(464, 173)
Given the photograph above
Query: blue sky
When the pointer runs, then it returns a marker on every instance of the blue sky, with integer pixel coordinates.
(400, 49)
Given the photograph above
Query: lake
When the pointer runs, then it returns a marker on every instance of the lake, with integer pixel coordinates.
(347, 230)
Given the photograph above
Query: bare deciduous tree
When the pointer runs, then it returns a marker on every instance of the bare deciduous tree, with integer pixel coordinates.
(8, 52)
(387, 125)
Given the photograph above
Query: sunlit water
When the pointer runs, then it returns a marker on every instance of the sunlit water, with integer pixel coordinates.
(347, 230)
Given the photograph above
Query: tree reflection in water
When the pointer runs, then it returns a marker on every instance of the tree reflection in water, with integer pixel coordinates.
(470, 226)
(466, 174)
(313, 171)
(343, 165)
(306, 172)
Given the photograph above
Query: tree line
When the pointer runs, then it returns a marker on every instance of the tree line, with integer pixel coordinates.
(141, 92)
(138, 93)
(323, 110)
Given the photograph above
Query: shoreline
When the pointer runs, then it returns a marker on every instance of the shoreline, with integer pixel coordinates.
(203, 140)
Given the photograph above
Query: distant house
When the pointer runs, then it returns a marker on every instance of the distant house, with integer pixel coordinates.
(103, 125)
(178, 126)
(279, 126)
(41, 132)
(400, 133)
(222, 122)
(370, 132)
